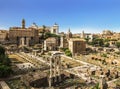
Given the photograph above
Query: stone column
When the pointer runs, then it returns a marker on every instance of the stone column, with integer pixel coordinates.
(61, 41)
(27, 41)
(22, 41)
(103, 83)
(50, 77)
(44, 46)
(35, 53)
(55, 67)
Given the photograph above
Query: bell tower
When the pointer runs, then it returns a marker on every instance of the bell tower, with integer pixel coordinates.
(23, 23)
(82, 35)
(69, 34)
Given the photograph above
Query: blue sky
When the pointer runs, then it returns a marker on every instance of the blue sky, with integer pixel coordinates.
(88, 15)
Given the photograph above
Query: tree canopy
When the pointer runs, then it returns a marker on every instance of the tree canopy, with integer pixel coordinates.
(100, 42)
(5, 68)
(5, 71)
(118, 44)
(2, 50)
(68, 53)
(47, 35)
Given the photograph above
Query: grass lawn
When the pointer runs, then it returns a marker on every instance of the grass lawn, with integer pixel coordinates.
(16, 59)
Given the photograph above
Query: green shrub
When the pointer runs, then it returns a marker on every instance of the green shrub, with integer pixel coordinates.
(5, 71)
(68, 53)
(5, 68)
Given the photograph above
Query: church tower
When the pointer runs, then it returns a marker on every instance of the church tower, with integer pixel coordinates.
(83, 35)
(23, 23)
(69, 34)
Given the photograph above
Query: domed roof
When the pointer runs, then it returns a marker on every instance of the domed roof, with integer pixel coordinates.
(34, 25)
(107, 32)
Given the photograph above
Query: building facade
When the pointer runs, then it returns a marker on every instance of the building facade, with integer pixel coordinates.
(55, 29)
(3, 35)
(63, 42)
(51, 44)
(77, 46)
(23, 36)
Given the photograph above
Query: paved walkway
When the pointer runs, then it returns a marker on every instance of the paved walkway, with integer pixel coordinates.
(3, 85)
(38, 58)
